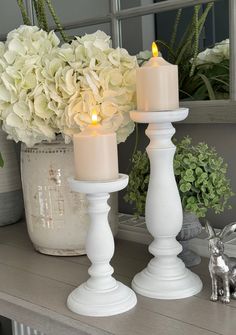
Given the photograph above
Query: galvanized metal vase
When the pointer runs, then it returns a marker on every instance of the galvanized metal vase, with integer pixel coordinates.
(191, 228)
(11, 200)
(56, 217)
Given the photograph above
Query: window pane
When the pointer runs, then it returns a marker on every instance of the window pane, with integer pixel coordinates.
(106, 27)
(216, 27)
(138, 33)
(221, 17)
(10, 17)
(74, 10)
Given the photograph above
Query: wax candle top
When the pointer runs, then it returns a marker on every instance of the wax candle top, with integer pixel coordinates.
(94, 128)
(94, 117)
(154, 50)
(155, 60)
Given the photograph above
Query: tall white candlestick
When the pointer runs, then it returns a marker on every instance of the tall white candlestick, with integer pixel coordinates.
(166, 276)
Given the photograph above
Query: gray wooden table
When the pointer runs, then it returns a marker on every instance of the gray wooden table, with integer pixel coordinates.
(34, 289)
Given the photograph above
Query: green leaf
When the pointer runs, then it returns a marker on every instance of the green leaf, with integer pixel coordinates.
(191, 200)
(208, 86)
(211, 189)
(185, 187)
(198, 171)
(170, 50)
(186, 93)
(182, 52)
(220, 80)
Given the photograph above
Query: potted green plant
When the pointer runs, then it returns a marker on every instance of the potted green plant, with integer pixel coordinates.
(201, 176)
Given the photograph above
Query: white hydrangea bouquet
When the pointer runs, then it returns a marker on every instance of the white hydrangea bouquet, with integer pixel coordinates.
(47, 89)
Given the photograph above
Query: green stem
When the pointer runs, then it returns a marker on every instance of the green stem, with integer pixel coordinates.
(204, 16)
(171, 52)
(187, 39)
(56, 20)
(175, 29)
(42, 15)
(35, 4)
(24, 14)
(136, 139)
(135, 146)
(186, 93)
(196, 39)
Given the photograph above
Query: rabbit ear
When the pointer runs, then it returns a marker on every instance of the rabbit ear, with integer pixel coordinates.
(230, 228)
(210, 230)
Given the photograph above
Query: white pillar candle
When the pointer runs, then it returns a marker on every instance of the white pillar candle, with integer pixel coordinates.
(95, 153)
(157, 85)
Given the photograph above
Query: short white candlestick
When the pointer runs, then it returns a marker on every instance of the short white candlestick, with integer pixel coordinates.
(101, 295)
(166, 276)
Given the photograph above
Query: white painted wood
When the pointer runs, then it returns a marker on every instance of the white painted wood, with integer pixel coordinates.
(115, 24)
(214, 111)
(96, 187)
(21, 329)
(166, 276)
(158, 7)
(101, 294)
(34, 288)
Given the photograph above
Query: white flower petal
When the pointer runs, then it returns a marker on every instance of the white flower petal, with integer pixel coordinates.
(4, 94)
(15, 121)
(10, 56)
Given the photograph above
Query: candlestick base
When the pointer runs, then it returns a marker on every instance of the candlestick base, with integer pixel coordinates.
(86, 301)
(101, 295)
(166, 276)
(174, 283)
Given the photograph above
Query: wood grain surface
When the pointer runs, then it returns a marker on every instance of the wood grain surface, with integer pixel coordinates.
(34, 289)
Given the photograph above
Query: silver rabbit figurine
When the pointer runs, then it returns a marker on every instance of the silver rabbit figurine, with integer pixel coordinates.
(222, 268)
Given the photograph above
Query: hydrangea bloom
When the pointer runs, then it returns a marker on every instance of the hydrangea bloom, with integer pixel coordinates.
(21, 62)
(46, 89)
(214, 55)
(96, 76)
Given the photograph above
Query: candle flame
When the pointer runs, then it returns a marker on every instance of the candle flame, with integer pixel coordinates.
(154, 49)
(94, 117)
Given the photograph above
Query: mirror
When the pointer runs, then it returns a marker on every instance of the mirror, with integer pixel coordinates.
(183, 37)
